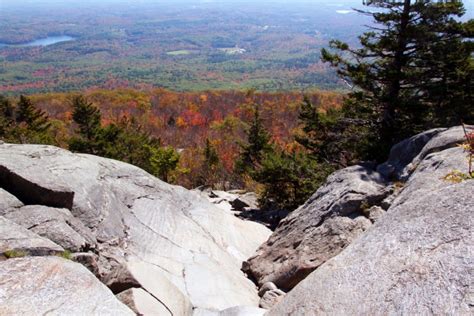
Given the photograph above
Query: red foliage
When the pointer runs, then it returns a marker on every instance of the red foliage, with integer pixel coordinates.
(186, 119)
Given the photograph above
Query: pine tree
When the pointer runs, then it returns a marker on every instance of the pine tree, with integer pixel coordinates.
(289, 179)
(88, 120)
(163, 161)
(446, 63)
(319, 135)
(211, 158)
(258, 142)
(209, 174)
(34, 119)
(87, 117)
(127, 141)
(31, 125)
(6, 118)
(406, 63)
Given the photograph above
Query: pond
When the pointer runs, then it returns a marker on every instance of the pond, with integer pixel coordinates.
(50, 40)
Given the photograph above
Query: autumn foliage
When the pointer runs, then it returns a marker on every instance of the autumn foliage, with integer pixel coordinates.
(188, 120)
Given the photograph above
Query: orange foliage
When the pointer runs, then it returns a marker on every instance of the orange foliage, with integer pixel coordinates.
(186, 119)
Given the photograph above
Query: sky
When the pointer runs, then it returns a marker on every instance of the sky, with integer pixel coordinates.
(469, 4)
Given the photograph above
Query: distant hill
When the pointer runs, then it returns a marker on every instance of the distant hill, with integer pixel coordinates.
(185, 46)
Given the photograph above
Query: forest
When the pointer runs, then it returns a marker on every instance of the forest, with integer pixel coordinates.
(186, 120)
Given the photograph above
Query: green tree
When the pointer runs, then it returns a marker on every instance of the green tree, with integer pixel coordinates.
(320, 133)
(211, 158)
(416, 53)
(126, 140)
(88, 120)
(34, 119)
(289, 179)
(163, 161)
(258, 142)
(32, 124)
(6, 118)
(210, 173)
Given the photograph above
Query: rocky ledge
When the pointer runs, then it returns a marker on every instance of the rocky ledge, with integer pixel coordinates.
(150, 248)
(83, 235)
(379, 240)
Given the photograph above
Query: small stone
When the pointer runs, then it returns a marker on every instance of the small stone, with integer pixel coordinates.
(375, 213)
(89, 260)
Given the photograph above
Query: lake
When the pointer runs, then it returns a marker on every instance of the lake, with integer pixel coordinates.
(50, 40)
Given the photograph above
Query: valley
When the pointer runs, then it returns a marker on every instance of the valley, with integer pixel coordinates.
(186, 46)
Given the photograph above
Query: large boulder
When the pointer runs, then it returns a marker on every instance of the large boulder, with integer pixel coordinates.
(186, 241)
(54, 286)
(320, 229)
(449, 138)
(406, 155)
(404, 152)
(416, 259)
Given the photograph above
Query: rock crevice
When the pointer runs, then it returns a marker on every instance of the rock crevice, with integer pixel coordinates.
(31, 193)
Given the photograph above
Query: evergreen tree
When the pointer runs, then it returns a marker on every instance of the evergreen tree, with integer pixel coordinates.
(6, 118)
(125, 141)
(319, 135)
(415, 55)
(328, 136)
(163, 161)
(34, 119)
(211, 159)
(88, 120)
(289, 179)
(31, 125)
(258, 142)
(128, 142)
(209, 174)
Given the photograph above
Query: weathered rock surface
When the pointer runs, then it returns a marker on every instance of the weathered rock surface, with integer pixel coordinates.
(374, 213)
(54, 286)
(149, 277)
(416, 259)
(269, 286)
(8, 201)
(403, 153)
(158, 231)
(247, 200)
(271, 298)
(329, 221)
(88, 260)
(55, 224)
(142, 303)
(244, 205)
(22, 242)
(447, 139)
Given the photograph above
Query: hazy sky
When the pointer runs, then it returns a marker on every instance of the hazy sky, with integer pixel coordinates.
(469, 4)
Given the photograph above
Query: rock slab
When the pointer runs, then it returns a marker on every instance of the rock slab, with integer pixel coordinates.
(18, 241)
(131, 219)
(320, 229)
(416, 259)
(54, 286)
